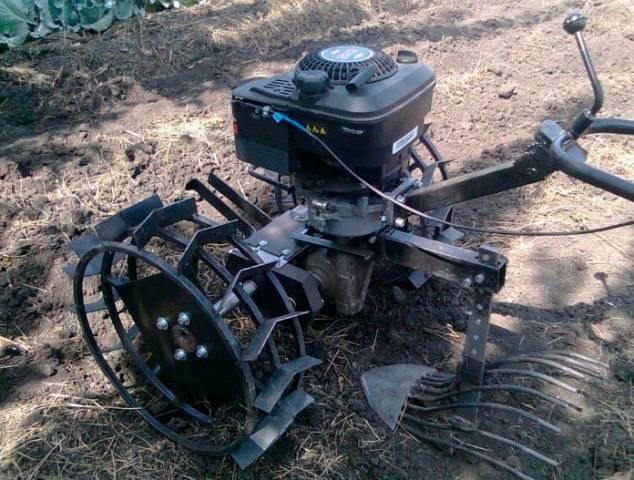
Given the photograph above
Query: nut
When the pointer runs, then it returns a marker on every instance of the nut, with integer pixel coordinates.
(162, 323)
(180, 355)
(183, 319)
(201, 351)
(399, 222)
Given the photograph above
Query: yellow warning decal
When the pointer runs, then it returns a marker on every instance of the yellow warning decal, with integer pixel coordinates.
(316, 129)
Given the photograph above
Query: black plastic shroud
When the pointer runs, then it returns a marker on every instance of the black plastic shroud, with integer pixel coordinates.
(370, 129)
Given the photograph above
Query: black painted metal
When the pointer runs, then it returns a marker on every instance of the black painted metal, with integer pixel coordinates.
(226, 211)
(271, 428)
(238, 200)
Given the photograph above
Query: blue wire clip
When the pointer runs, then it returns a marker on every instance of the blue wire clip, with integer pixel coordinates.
(280, 117)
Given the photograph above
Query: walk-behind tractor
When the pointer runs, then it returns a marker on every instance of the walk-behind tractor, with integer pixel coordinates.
(200, 324)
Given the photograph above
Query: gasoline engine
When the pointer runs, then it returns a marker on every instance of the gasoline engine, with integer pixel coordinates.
(200, 323)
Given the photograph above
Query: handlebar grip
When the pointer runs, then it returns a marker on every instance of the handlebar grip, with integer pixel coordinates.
(619, 126)
(572, 162)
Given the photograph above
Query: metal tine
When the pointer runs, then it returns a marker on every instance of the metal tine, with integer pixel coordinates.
(534, 374)
(580, 357)
(492, 406)
(435, 390)
(542, 361)
(589, 369)
(513, 388)
(482, 456)
(486, 434)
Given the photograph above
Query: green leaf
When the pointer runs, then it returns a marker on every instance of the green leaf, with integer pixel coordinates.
(41, 31)
(14, 13)
(123, 9)
(15, 37)
(48, 12)
(69, 17)
(96, 19)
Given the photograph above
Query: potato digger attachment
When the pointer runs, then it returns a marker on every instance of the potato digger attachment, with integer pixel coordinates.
(199, 322)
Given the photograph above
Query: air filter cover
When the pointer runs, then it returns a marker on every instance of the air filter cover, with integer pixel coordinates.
(342, 62)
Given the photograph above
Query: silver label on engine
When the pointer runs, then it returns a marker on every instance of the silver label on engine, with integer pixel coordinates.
(404, 140)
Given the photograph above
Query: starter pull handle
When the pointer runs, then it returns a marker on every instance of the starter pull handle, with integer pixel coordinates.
(360, 79)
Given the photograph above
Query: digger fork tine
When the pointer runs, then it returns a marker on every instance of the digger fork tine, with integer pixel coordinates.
(591, 370)
(457, 446)
(490, 405)
(533, 374)
(485, 433)
(513, 388)
(536, 360)
(580, 357)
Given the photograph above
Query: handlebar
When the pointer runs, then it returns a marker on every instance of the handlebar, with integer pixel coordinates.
(570, 158)
(618, 126)
(563, 149)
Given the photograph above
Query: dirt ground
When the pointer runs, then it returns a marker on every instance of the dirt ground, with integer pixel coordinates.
(89, 124)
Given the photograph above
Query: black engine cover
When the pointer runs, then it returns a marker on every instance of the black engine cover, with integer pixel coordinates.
(369, 129)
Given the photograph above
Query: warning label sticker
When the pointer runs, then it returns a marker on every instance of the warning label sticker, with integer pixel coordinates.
(404, 140)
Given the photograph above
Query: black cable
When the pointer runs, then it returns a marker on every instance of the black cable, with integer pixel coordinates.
(279, 117)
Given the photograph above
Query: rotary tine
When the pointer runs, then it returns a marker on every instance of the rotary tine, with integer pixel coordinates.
(115, 227)
(262, 335)
(119, 226)
(238, 200)
(161, 218)
(243, 224)
(271, 428)
(203, 237)
(242, 275)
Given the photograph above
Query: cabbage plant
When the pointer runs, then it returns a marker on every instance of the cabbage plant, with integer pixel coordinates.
(21, 19)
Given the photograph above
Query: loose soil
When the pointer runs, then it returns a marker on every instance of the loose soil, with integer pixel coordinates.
(90, 124)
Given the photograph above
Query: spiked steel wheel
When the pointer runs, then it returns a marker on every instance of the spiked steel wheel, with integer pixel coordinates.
(183, 345)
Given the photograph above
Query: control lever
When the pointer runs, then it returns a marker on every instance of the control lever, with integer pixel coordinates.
(574, 23)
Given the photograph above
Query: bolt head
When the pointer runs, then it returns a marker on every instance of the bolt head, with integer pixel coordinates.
(399, 222)
(263, 243)
(286, 252)
(162, 323)
(180, 355)
(485, 257)
(201, 351)
(383, 218)
(467, 282)
(400, 198)
(418, 184)
(372, 240)
(183, 319)
(479, 278)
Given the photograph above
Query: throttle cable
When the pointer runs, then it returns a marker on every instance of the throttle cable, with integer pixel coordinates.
(279, 117)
